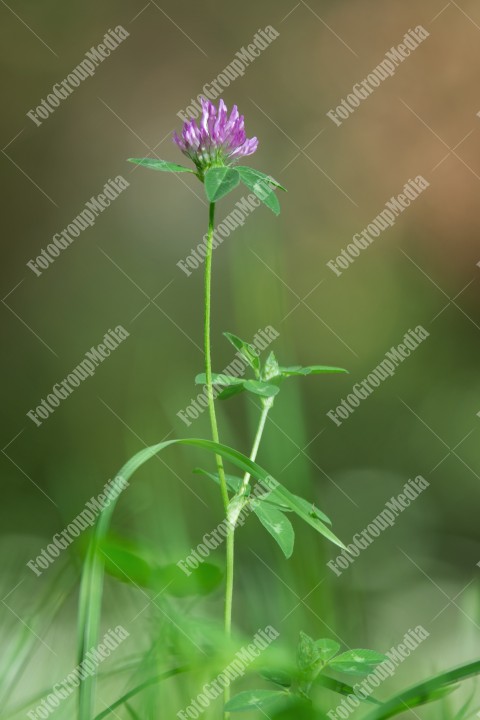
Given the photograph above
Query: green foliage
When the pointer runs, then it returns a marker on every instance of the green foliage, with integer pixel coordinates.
(313, 659)
(281, 499)
(91, 589)
(297, 370)
(257, 387)
(123, 699)
(247, 350)
(357, 662)
(129, 563)
(271, 508)
(425, 692)
(279, 677)
(262, 186)
(219, 181)
(279, 526)
(252, 172)
(315, 654)
(161, 165)
(268, 377)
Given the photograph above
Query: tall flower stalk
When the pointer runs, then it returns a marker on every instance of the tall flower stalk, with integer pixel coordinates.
(208, 353)
(217, 142)
(215, 145)
(214, 428)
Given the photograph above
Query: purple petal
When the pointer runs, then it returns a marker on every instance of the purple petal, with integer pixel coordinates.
(216, 137)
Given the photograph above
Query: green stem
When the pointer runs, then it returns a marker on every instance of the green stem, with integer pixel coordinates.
(208, 354)
(229, 596)
(267, 404)
(215, 436)
(231, 538)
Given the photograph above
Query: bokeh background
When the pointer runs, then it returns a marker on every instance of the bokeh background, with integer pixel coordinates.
(272, 271)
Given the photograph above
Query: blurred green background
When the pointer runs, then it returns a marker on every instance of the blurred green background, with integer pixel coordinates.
(270, 272)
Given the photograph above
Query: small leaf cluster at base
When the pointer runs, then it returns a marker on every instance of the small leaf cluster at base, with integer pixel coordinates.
(295, 686)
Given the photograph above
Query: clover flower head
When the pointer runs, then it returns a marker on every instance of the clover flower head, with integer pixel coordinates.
(218, 139)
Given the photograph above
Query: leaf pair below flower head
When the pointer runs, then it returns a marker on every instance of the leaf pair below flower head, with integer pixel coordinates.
(222, 180)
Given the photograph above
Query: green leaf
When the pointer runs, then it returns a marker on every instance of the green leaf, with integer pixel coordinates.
(310, 370)
(234, 483)
(131, 712)
(230, 391)
(326, 649)
(269, 199)
(235, 507)
(341, 688)
(231, 385)
(257, 700)
(219, 379)
(272, 368)
(281, 496)
(248, 351)
(305, 651)
(138, 689)
(202, 581)
(357, 662)
(126, 562)
(261, 186)
(279, 526)
(219, 181)
(258, 387)
(422, 698)
(301, 507)
(261, 176)
(462, 711)
(161, 165)
(310, 509)
(315, 654)
(425, 692)
(279, 677)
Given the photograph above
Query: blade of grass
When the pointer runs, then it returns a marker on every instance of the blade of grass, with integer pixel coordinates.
(138, 689)
(424, 692)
